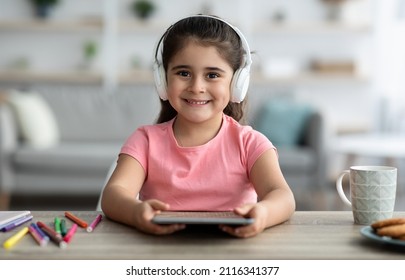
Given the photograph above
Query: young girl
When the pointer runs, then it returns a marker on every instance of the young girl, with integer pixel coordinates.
(199, 157)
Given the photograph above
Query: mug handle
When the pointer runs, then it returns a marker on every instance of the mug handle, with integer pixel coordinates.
(339, 187)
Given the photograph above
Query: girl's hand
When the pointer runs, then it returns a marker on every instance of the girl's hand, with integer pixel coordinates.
(144, 213)
(256, 211)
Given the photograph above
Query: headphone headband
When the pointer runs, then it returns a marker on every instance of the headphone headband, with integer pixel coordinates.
(241, 77)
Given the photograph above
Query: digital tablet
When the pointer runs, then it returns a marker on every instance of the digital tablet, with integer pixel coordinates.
(200, 218)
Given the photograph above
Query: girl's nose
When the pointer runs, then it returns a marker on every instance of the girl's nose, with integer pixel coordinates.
(197, 85)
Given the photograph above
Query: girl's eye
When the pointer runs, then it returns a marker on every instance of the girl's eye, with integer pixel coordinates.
(212, 75)
(183, 73)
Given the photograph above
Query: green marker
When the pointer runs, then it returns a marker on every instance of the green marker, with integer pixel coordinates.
(57, 225)
(63, 227)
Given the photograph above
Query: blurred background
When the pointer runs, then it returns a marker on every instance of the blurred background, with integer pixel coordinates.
(343, 59)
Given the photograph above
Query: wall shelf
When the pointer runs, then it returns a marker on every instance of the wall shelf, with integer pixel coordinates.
(136, 77)
(310, 78)
(311, 28)
(52, 26)
(75, 77)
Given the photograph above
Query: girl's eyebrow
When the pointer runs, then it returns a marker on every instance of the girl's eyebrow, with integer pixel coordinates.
(216, 69)
(177, 67)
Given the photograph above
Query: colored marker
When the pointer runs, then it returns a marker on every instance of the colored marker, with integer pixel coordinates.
(63, 228)
(94, 223)
(15, 238)
(48, 229)
(56, 225)
(38, 238)
(39, 230)
(16, 223)
(54, 237)
(70, 233)
(75, 219)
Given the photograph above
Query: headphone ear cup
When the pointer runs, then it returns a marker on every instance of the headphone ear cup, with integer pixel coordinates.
(240, 85)
(160, 80)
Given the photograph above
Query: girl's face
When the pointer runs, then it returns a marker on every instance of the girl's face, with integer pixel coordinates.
(198, 80)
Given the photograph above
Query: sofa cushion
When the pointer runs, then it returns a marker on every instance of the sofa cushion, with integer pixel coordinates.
(72, 157)
(90, 115)
(36, 122)
(283, 121)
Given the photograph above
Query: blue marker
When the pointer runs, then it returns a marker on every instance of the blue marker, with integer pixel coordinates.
(43, 234)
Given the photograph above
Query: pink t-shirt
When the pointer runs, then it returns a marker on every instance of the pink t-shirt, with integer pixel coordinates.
(211, 177)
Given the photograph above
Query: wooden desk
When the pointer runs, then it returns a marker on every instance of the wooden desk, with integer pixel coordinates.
(308, 235)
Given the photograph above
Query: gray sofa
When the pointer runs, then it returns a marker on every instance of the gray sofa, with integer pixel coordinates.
(305, 165)
(92, 127)
(298, 131)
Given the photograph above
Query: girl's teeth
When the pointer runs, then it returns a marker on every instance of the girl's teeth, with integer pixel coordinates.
(197, 102)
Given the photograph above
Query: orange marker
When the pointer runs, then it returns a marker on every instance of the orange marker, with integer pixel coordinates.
(75, 219)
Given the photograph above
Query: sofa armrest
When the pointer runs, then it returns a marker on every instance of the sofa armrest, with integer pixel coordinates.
(315, 138)
(314, 134)
(8, 144)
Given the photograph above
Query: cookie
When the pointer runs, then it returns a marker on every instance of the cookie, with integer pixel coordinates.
(402, 237)
(388, 222)
(394, 231)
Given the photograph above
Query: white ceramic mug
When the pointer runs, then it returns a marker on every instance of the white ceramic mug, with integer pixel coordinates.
(372, 192)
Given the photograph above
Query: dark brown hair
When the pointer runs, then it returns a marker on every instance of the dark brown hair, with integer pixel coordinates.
(206, 31)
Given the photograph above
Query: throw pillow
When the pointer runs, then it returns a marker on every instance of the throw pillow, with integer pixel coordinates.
(36, 121)
(283, 121)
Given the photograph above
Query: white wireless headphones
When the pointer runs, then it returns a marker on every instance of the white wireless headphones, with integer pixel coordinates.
(241, 77)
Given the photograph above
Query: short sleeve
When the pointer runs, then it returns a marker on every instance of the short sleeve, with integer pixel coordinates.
(137, 146)
(255, 145)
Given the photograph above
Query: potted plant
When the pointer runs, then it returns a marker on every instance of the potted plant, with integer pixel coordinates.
(42, 8)
(334, 8)
(89, 53)
(143, 8)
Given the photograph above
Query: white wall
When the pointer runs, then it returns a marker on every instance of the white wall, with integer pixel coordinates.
(347, 105)
(390, 64)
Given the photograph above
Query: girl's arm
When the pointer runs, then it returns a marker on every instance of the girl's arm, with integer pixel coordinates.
(120, 203)
(276, 201)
